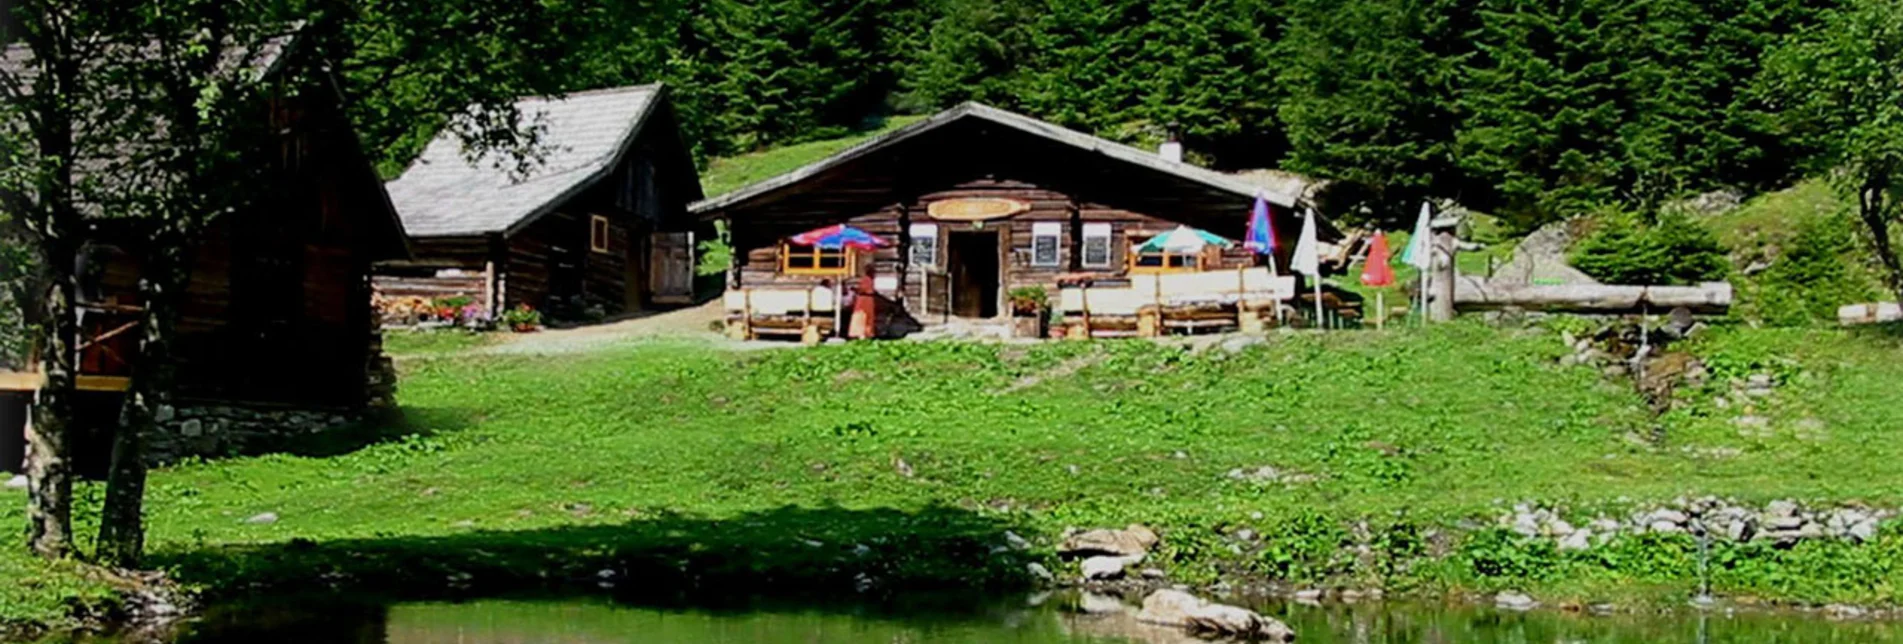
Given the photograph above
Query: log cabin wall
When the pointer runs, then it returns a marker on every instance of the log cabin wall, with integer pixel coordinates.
(277, 308)
(554, 254)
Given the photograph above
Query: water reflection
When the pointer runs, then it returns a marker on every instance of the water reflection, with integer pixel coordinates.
(1052, 619)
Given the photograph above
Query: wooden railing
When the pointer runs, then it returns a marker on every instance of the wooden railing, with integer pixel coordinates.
(106, 343)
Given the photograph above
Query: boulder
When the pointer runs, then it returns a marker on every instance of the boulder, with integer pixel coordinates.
(266, 518)
(1135, 540)
(1540, 258)
(1177, 608)
(1510, 600)
(1097, 604)
(1104, 567)
(18, 482)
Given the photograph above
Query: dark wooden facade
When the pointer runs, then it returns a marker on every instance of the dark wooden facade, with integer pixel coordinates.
(277, 308)
(552, 257)
(1060, 188)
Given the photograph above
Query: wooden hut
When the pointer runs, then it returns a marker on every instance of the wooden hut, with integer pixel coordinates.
(595, 217)
(275, 337)
(978, 202)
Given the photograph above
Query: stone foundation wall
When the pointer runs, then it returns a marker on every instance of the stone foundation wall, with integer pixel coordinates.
(214, 430)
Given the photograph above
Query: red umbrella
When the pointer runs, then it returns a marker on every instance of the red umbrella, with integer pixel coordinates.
(1377, 272)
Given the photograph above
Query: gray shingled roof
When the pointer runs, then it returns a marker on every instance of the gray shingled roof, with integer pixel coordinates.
(580, 136)
(1050, 131)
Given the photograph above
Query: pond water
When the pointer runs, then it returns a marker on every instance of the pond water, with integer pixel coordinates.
(1043, 619)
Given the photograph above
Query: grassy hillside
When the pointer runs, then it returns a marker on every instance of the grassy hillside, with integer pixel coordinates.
(727, 174)
(1798, 254)
(691, 463)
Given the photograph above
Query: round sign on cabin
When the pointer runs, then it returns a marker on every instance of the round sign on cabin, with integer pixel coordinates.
(978, 209)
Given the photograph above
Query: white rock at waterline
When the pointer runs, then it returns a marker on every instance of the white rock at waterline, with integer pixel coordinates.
(1107, 567)
(1510, 600)
(1177, 608)
(18, 482)
(1039, 572)
(266, 518)
(1095, 604)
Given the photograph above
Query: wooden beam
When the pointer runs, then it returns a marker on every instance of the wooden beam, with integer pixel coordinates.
(34, 381)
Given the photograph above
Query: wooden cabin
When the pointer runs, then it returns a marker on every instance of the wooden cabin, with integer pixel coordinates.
(978, 202)
(597, 218)
(275, 337)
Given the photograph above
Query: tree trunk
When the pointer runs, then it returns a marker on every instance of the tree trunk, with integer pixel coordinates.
(122, 517)
(1873, 206)
(49, 471)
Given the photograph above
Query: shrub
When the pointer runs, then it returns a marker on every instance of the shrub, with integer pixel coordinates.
(522, 317)
(1813, 276)
(1625, 249)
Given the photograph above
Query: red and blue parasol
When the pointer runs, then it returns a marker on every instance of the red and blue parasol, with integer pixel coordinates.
(840, 236)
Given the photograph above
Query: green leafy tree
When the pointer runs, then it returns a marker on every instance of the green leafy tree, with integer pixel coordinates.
(1842, 84)
(1371, 100)
(1670, 250)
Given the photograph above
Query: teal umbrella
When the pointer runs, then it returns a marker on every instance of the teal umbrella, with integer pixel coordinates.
(1183, 240)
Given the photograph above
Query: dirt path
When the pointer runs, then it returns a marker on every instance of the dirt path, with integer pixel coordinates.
(694, 323)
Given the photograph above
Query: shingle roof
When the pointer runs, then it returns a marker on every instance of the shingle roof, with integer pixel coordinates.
(1020, 122)
(579, 137)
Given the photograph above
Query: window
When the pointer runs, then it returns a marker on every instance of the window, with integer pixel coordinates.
(924, 245)
(1163, 261)
(598, 233)
(1097, 245)
(1044, 243)
(812, 260)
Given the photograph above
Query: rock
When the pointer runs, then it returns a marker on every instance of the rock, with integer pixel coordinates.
(1135, 540)
(1578, 540)
(193, 427)
(1153, 573)
(18, 482)
(1511, 600)
(1526, 525)
(266, 518)
(1540, 258)
(1104, 567)
(1559, 527)
(1781, 508)
(1665, 527)
(1759, 380)
(1863, 531)
(1785, 523)
(1177, 608)
(1669, 515)
(1039, 572)
(1245, 534)
(1308, 595)
(1016, 542)
(1844, 611)
(1099, 604)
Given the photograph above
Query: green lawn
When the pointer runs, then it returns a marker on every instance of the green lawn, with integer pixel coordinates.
(689, 464)
(727, 174)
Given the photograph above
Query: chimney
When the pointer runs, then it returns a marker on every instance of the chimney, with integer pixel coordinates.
(1172, 147)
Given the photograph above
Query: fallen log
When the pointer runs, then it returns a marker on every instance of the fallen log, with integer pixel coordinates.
(1477, 294)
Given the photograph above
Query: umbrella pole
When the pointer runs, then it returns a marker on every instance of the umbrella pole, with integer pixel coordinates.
(1380, 310)
(1280, 319)
(1318, 301)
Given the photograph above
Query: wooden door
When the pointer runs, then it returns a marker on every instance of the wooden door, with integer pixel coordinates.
(671, 274)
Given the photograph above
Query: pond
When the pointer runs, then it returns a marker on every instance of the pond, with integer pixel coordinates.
(1040, 619)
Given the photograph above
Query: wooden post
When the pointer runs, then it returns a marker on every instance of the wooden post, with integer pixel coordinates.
(1441, 307)
(1380, 310)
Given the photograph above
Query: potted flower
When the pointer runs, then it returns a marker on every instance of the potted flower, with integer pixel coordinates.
(522, 319)
(1028, 306)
